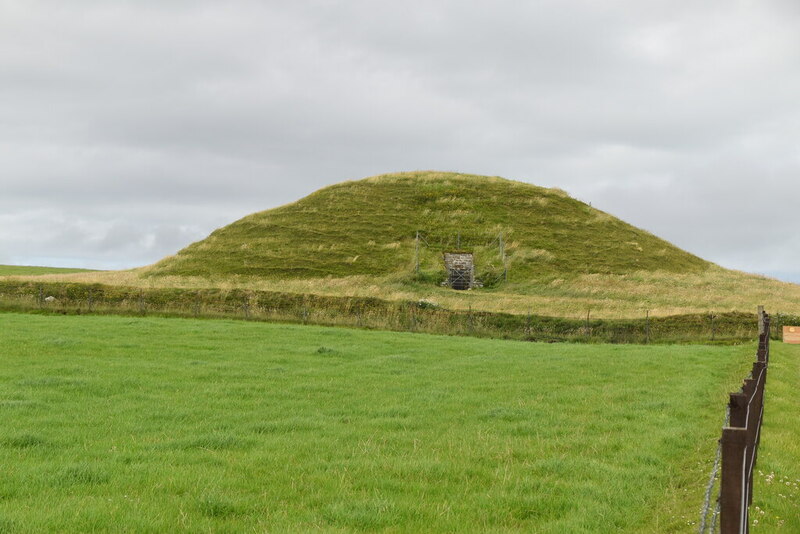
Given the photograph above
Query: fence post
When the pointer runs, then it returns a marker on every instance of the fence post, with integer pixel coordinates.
(760, 320)
(647, 327)
(588, 328)
(416, 254)
(528, 328)
(713, 327)
(738, 407)
(732, 486)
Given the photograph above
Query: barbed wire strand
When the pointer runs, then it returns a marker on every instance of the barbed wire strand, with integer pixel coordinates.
(714, 518)
(712, 481)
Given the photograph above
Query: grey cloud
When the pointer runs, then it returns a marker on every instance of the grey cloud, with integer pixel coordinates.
(129, 129)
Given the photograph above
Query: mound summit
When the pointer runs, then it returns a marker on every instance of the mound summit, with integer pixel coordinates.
(368, 227)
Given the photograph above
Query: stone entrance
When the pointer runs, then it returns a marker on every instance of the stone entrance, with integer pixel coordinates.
(460, 270)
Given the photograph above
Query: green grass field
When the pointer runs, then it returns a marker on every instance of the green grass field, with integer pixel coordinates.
(776, 493)
(26, 270)
(119, 424)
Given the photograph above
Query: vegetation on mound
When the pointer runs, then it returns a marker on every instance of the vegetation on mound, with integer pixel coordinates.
(154, 425)
(357, 239)
(369, 227)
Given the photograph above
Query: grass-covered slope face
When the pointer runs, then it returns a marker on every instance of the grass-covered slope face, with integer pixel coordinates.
(368, 227)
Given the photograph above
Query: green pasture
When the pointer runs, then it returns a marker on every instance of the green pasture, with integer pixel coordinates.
(26, 270)
(776, 493)
(122, 424)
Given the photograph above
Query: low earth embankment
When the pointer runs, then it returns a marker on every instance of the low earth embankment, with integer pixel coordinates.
(603, 296)
(366, 312)
(185, 425)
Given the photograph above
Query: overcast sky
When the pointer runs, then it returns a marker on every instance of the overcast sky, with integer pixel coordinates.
(129, 129)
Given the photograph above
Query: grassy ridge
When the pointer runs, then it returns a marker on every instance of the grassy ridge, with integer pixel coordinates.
(365, 312)
(158, 425)
(613, 297)
(368, 227)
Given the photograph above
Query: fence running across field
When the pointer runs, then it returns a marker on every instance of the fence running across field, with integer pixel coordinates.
(738, 448)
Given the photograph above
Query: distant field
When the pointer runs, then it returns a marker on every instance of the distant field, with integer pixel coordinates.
(117, 424)
(24, 270)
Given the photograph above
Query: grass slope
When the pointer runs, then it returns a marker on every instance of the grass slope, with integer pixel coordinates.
(162, 425)
(368, 227)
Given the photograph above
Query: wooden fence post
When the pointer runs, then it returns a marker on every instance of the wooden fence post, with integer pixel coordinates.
(732, 487)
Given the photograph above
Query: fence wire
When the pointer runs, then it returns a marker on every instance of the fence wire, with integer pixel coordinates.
(712, 480)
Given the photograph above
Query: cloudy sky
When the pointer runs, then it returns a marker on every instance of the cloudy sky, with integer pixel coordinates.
(129, 129)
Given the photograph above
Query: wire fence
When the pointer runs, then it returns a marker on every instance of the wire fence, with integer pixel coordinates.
(738, 449)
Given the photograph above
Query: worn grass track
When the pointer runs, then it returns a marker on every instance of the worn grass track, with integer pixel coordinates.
(115, 424)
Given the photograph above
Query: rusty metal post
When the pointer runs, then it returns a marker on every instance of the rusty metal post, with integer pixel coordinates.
(733, 510)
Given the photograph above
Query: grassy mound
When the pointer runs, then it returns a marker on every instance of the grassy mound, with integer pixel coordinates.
(368, 227)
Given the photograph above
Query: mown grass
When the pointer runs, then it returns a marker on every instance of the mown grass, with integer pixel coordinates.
(28, 270)
(115, 424)
(776, 493)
